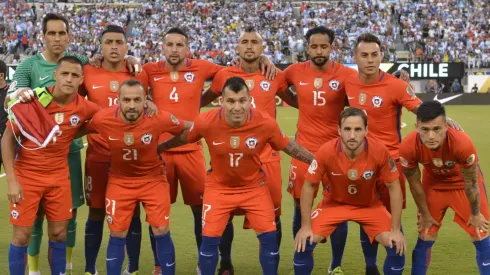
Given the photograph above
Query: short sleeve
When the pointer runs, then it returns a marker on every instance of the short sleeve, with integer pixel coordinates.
(11, 125)
(218, 82)
(465, 152)
(288, 74)
(317, 167)
(281, 82)
(211, 69)
(387, 166)
(277, 139)
(408, 154)
(143, 78)
(170, 123)
(90, 108)
(94, 125)
(405, 95)
(196, 131)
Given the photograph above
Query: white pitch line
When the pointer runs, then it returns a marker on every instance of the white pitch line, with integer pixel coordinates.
(3, 175)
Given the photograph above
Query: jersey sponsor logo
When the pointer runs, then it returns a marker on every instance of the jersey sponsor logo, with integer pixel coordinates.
(146, 139)
(450, 163)
(362, 99)
(318, 83)
(109, 219)
(404, 162)
(114, 85)
(74, 120)
(59, 117)
(250, 83)
(265, 86)
(334, 85)
(313, 167)
(234, 142)
(410, 91)
(437, 162)
(301, 83)
(128, 139)
(471, 159)
(251, 143)
(43, 78)
(377, 101)
(217, 143)
(316, 213)
(189, 77)
(367, 175)
(352, 174)
(392, 165)
(157, 78)
(111, 138)
(175, 120)
(14, 214)
(96, 87)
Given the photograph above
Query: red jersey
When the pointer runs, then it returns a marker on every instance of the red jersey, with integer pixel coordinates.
(180, 92)
(263, 94)
(382, 100)
(235, 152)
(133, 147)
(49, 166)
(353, 182)
(321, 99)
(102, 88)
(442, 167)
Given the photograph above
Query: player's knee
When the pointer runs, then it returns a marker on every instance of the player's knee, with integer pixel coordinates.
(21, 235)
(161, 230)
(96, 214)
(119, 234)
(428, 237)
(57, 231)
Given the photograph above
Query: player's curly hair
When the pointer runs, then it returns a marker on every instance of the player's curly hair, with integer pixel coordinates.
(430, 110)
(353, 111)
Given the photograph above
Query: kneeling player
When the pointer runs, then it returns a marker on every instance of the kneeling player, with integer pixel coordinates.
(136, 173)
(352, 164)
(236, 135)
(452, 179)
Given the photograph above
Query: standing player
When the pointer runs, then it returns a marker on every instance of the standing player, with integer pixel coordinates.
(136, 173)
(452, 179)
(101, 86)
(236, 136)
(42, 175)
(320, 90)
(263, 93)
(352, 163)
(176, 86)
(3, 93)
(37, 71)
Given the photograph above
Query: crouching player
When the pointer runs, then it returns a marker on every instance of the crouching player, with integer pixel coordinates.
(352, 164)
(452, 179)
(136, 173)
(236, 135)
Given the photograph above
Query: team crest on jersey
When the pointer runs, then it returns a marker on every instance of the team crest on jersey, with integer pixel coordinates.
(410, 91)
(290, 185)
(352, 174)
(362, 99)
(318, 83)
(437, 162)
(471, 159)
(175, 120)
(114, 84)
(404, 162)
(392, 165)
(74, 120)
(128, 139)
(250, 83)
(377, 101)
(146, 139)
(234, 142)
(14, 214)
(313, 167)
(109, 219)
(189, 77)
(59, 118)
(265, 86)
(334, 85)
(251, 142)
(367, 175)
(450, 163)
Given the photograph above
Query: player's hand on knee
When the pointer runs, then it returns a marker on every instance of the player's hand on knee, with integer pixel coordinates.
(398, 239)
(14, 193)
(302, 237)
(425, 222)
(25, 95)
(151, 108)
(479, 223)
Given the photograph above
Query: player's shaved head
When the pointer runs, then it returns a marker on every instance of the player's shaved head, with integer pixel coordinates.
(431, 124)
(132, 99)
(251, 30)
(236, 101)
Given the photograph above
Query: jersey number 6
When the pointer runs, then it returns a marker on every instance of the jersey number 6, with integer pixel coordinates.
(352, 189)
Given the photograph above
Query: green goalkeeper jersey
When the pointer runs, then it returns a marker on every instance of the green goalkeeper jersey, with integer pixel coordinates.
(35, 72)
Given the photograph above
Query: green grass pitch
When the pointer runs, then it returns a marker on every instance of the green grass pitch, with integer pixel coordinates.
(453, 253)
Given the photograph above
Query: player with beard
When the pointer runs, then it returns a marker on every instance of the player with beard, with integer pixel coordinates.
(263, 93)
(320, 91)
(176, 86)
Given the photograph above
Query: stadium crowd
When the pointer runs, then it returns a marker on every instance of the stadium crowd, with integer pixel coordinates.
(430, 30)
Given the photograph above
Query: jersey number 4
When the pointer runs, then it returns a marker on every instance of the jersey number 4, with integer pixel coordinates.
(234, 158)
(174, 95)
